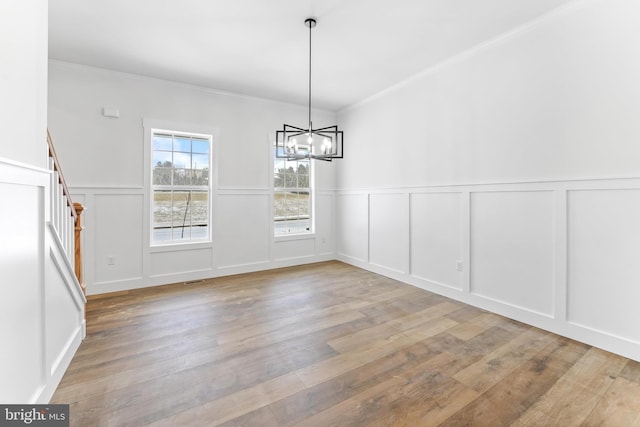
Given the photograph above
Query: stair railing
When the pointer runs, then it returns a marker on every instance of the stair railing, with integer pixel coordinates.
(65, 215)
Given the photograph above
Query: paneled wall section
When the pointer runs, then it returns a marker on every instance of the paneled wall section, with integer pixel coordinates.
(560, 255)
(42, 308)
(118, 255)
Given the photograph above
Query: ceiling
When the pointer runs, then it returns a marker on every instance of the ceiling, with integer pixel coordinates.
(260, 47)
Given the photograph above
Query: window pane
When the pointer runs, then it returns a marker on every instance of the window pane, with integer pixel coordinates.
(161, 234)
(291, 226)
(290, 180)
(182, 160)
(162, 159)
(279, 203)
(200, 161)
(303, 181)
(182, 144)
(181, 233)
(200, 146)
(161, 176)
(200, 177)
(200, 231)
(181, 176)
(161, 213)
(180, 214)
(278, 165)
(162, 142)
(299, 204)
(199, 208)
(278, 180)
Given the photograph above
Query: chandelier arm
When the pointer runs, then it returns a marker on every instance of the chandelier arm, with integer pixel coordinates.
(323, 158)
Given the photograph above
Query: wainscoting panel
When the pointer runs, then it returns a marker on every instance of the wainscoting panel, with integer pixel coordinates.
(22, 360)
(285, 250)
(436, 238)
(242, 229)
(65, 310)
(353, 226)
(117, 226)
(183, 261)
(389, 231)
(118, 238)
(559, 255)
(41, 306)
(512, 248)
(325, 220)
(604, 261)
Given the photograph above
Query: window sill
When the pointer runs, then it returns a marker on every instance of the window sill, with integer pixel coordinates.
(185, 246)
(299, 236)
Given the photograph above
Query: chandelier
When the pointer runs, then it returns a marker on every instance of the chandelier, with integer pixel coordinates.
(295, 143)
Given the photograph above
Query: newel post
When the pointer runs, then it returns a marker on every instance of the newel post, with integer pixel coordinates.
(78, 245)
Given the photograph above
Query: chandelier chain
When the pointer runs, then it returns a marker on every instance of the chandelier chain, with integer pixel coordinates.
(310, 27)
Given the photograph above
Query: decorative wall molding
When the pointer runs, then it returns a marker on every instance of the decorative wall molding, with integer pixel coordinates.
(12, 172)
(43, 279)
(226, 254)
(523, 246)
(70, 281)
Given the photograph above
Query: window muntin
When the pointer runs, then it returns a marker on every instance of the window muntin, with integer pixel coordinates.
(181, 164)
(291, 196)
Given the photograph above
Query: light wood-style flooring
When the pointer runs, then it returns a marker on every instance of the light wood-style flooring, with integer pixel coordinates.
(332, 345)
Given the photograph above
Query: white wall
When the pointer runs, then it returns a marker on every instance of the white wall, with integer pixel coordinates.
(41, 305)
(23, 80)
(518, 162)
(104, 162)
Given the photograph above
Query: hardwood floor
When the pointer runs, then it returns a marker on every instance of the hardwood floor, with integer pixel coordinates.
(332, 345)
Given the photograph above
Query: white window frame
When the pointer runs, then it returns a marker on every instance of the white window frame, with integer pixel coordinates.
(152, 127)
(294, 235)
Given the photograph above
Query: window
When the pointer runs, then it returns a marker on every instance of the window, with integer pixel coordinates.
(291, 196)
(180, 187)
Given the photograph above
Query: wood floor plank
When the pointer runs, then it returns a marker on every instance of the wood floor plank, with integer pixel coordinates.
(330, 344)
(392, 327)
(631, 371)
(476, 325)
(247, 365)
(260, 417)
(235, 405)
(509, 398)
(489, 370)
(424, 389)
(620, 406)
(344, 362)
(576, 393)
(342, 387)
